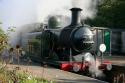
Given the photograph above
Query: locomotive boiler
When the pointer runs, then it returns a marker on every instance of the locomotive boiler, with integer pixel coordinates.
(76, 35)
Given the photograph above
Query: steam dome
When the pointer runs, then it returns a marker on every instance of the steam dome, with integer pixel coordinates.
(54, 22)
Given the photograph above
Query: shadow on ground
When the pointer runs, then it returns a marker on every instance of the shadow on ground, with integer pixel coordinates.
(78, 81)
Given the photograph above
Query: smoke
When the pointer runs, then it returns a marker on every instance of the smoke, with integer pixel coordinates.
(18, 13)
(89, 7)
(53, 7)
(94, 64)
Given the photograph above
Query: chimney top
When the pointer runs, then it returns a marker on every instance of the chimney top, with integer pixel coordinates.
(75, 16)
(76, 9)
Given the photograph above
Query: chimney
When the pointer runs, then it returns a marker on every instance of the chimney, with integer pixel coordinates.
(75, 16)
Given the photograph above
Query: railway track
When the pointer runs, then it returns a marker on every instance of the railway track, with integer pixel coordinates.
(117, 75)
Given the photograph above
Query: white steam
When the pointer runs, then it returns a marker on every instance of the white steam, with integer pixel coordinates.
(18, 13)
(61, 7)
(55, 7)
(94, 64)
(88, 6)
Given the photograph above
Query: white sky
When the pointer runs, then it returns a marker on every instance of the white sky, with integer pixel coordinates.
(20, 12)
(17, 12)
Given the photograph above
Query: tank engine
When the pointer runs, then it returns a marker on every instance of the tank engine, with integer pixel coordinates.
(68, 47)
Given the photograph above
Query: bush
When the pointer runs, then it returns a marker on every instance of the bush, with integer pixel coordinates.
(16, 76)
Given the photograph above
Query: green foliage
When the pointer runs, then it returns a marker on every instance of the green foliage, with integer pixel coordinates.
(16, 76)
(110, 14)
(3, 39)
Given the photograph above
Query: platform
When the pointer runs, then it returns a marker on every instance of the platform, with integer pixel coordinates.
(61, 76)
(57, 75)
(116, 59)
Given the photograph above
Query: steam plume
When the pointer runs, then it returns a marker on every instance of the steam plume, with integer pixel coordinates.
(88, 6)
(48, 7)
(21, 12)
(93, 68)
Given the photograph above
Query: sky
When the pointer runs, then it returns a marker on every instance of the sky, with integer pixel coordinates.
(17, 12)
(20, 12)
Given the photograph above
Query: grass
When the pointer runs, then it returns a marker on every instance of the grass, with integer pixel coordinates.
(16, 76)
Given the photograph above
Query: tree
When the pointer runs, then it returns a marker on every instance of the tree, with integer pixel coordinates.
(110, 14)
(3, 39)
(4, 36)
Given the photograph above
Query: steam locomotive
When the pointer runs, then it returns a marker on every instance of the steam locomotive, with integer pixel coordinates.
(70, 47)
